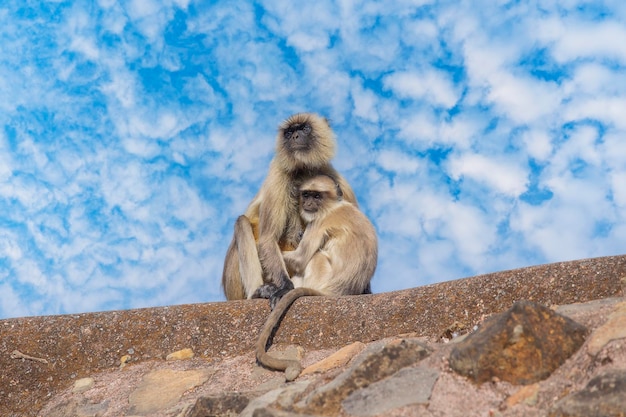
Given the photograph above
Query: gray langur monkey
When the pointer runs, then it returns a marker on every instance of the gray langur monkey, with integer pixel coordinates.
(336, 256)
(254, 266)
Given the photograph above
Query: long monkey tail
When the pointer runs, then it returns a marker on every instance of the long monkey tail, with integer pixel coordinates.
(292, 368)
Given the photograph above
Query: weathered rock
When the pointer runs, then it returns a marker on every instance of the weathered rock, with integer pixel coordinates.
(294, 353)
(79, 408)
(180, 355)
(282, 397)
(85, 344)
(604, 396)
(272, 412)
(527, 394)
(82, 385)
(162, 388)
(522, 345)
(405, 387)
(394, 356)
(614, 328)
(222, 405)
(337, 359)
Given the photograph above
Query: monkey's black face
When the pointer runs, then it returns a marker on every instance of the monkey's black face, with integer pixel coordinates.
(311, 200)
(298, 137)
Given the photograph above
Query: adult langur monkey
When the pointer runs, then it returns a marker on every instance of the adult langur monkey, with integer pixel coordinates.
(254, 265)
(336, 256)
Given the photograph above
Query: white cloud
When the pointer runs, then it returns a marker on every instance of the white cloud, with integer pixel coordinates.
(614, 150)
(609, 110)
(419, 128)
(9, 246)
(538, 144)
(564, 228)
(365, 102)
(523, 99)
(575, 39)
(12, 303)
(135, 134)
(618, 187)
(579, 146)
(306, 42)
(461, 131)
(398, 162)
(594, 78)
(503, 176)
(121, 89)
(472, 232)
(430, 85)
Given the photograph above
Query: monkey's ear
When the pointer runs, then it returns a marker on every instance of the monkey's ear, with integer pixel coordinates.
(339, 192)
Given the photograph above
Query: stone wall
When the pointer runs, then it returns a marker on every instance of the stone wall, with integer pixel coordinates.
(71, 345)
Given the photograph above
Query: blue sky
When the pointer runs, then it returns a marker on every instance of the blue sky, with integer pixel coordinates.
(478, 136)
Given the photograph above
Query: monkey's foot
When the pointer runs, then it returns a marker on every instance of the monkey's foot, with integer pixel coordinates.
(265, 291)
(273, 292)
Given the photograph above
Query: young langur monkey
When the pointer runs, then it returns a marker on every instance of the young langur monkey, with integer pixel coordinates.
(254, 265)
(336, 256)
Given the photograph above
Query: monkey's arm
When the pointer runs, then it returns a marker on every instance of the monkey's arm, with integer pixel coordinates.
(314, 238)
(273, 220)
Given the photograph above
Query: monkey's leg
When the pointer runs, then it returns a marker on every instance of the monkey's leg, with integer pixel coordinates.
(276, 276)
(319, 275)
(292, 368)
(231, 278)
(298, 281)
(274, 288)
(249, 266)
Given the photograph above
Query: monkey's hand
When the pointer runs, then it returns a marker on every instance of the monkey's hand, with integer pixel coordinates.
(273, 292)
(265, 291)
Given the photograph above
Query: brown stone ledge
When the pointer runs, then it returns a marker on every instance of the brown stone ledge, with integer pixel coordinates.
(77, 345)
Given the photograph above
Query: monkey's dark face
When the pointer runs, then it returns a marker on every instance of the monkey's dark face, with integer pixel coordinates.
(298, 137)
(311, 200)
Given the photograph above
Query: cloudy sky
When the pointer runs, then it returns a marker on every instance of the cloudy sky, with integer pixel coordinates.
(478, 136)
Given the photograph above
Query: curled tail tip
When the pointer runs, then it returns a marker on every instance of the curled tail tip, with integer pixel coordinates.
(292, 372)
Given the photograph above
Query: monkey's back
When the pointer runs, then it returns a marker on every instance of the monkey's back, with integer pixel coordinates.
(352, 246)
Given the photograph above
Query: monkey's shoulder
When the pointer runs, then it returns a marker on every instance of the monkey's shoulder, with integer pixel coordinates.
(345, 216)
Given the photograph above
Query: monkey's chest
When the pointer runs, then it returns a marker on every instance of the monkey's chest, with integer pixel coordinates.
(291, 235)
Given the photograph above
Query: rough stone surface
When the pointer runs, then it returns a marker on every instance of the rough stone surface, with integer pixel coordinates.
(613, 329)
(337, 359)
(407, 386)
(374, 367)
(162, 389)
(272, 412)
(83, 385)
(180, 355)
(77, 345)
(55, 351)
(282, 397)
(220, 405)
(604, 396)
(522, 345)
(452, 395)
(526, 394)
(78, 408)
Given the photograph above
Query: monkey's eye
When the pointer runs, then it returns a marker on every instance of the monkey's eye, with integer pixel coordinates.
(287, 134)
(307, 129)
(317, 196)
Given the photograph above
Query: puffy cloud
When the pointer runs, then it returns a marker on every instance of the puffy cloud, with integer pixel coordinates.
(477, 137)
(398, 162)
(576, 39)
(503, 176)
(430, 86)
